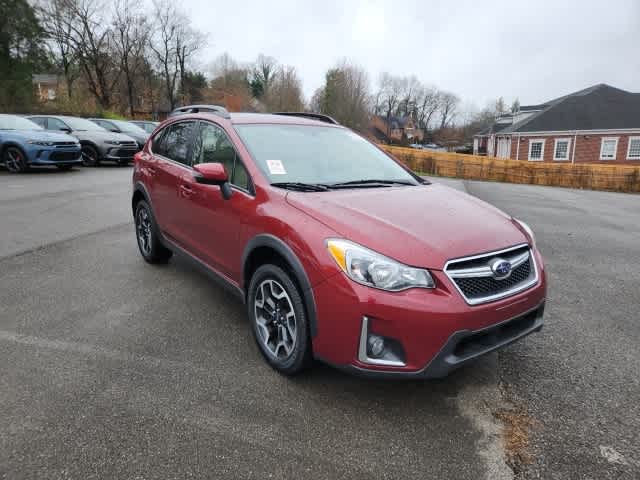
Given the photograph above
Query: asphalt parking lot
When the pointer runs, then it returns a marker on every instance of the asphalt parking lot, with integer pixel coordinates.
(113, 368)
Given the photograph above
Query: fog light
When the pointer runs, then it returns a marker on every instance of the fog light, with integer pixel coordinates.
(376, 345)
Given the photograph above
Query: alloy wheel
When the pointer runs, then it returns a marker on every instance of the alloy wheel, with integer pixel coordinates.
(143, 229)
(14, 160)
(89, 157)
(275, 319)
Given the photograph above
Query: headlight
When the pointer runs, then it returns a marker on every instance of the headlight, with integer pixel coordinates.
(41, 143)
(527, 229)
(112, 142)
(374, 270)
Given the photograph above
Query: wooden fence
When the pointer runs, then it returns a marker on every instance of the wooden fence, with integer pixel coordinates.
(617, 178)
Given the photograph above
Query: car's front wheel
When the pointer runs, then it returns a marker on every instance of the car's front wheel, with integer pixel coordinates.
(148, 237)
(15, 160)
(90, 157)
(279, 320)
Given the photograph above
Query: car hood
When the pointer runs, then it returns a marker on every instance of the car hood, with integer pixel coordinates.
(98, 136)
(40, 135)
(421, 226)
(141, 138)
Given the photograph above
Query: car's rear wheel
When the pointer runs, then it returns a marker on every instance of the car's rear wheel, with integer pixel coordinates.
(148, 237)
(90, 157)
(15, 160)
(279, 320)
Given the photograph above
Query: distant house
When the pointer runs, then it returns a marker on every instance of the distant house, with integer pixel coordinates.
(47, 86)
(597, 124)
(396, 129)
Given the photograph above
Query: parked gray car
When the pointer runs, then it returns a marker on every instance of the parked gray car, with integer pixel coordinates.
(147, 125)
(121, 126)
(97, 143)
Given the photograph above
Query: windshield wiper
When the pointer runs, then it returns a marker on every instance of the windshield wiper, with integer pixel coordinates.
(373, 182)
(302, 187)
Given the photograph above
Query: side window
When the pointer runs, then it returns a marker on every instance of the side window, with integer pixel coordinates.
(175, 143)
(40, 121)
(157, 143)
(213, 146)
(55, 124)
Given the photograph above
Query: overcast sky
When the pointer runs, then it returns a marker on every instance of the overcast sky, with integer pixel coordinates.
(534, 50)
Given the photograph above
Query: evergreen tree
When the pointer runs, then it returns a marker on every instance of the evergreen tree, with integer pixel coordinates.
(22, 53)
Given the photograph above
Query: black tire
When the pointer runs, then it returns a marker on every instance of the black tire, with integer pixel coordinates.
(300, 356)
(15, 159)
(64, 168)
(147, 235)
(90, 156)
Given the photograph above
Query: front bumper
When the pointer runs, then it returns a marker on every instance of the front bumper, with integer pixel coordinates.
(437, 330)
(120, 153)
(55, 156)
(465, 346)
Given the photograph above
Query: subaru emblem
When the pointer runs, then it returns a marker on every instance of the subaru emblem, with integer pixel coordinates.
(501, 269)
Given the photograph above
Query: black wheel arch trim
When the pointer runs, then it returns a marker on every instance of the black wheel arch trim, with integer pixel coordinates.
(140, 188)
(267, 240)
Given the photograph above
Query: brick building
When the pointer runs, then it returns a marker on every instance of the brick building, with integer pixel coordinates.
(396, 129)
(600, 124)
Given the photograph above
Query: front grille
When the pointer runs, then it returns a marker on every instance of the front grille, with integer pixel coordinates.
(485, 340)
(125, 152)
(64, 156)
(478, 283)
(65, 144)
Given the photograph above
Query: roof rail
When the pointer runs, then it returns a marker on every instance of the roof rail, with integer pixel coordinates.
(215, 109)
(314, 116)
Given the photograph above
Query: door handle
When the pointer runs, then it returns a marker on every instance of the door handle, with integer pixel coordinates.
(186, 190)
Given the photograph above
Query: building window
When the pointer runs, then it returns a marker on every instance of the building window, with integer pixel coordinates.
(633, 152)
(608, 148)
(562, 148)
(536, 150)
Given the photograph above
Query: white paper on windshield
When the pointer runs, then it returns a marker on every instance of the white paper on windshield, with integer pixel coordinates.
(276, 167)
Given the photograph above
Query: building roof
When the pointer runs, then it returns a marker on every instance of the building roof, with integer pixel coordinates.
(600, 107)
(395, 121)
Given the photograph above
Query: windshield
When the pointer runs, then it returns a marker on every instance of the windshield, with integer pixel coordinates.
(82, 124)
(128, 127)
(313, 154)
(13, 122)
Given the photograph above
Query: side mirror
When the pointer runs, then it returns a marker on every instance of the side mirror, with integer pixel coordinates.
(213, 174)
(116, 130)
(66, 129)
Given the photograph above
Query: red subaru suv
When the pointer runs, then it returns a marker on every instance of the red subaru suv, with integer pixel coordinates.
(339, 252)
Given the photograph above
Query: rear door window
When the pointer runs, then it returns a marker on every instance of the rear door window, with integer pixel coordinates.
(175, 141)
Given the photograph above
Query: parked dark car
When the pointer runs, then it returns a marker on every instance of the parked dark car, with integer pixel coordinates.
(339, 252)
(121, 126)
(97, 143)
(147, 125)
(24, 144)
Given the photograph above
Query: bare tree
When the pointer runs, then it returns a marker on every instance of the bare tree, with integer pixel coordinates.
(57, 24)
(392, 90)
(345, 95)
(427, 104)
(261, 75)
(448, 105)
(285, 91)
(163, 45)
(130, 36)
(90, 38)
